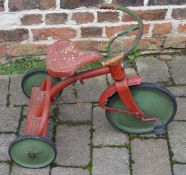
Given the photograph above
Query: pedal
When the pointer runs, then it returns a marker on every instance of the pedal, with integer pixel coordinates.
(159, 128)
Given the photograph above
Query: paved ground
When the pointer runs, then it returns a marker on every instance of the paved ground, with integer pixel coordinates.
(86, 143)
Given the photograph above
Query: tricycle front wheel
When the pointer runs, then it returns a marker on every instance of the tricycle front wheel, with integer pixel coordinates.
(154, 100)
(32, 151)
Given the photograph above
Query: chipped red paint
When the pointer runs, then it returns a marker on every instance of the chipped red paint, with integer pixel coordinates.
(64, 58)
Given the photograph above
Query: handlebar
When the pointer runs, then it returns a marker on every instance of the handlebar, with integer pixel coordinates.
(139, 26)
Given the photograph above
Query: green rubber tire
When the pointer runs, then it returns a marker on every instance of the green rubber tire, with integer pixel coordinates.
(34, 78)
(32, 152)
(154, 100)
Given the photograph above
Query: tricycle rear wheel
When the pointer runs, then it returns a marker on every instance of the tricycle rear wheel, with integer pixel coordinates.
(34, 78)
(32, 151)
(154, 100)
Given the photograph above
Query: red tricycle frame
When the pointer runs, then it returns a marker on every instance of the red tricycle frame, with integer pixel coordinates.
(121, 86)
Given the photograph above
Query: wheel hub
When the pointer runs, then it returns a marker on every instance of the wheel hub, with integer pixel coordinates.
(32, 155)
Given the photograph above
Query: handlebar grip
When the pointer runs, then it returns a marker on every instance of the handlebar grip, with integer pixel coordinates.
(108, 6)
(113, 60)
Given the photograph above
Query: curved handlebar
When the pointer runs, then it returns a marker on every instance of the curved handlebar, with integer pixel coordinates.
(139, 26)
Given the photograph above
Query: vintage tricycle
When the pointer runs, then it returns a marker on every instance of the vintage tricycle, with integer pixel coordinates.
(131, 106)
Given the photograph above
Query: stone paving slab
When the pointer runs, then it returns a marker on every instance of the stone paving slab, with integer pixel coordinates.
(153, 70)
(4, 169)
(17, 170)
(69, 171)
(68, 95)
(4, 81)
(150, 157)
(150, 135)
(5, 140)
(73, 145)
(181, 113)
(178, 65)
(179, 169)
(178, 91)
(76, 112)
(177, 138)
(16, 95)
(91, 89)
(104, 133)
(9, 119)
(110, 161)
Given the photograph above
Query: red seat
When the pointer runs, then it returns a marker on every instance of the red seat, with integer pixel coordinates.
(64, 58)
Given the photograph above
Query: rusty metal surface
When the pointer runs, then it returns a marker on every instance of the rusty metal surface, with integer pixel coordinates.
(64, 58)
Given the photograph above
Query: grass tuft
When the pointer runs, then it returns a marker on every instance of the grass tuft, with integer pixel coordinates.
(76, 123)
(89, 167)
(90, 66)
(21, 66)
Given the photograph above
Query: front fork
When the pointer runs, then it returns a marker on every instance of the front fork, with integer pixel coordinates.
(121, 86)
